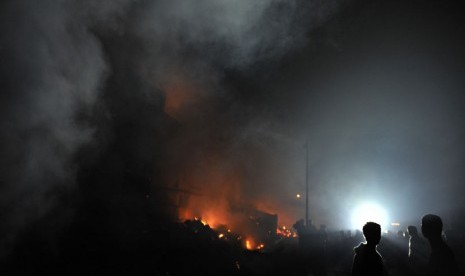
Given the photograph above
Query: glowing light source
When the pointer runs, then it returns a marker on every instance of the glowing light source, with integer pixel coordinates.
(248, 244)
(297, 195)
(395, 224)
(369, 212)
(285, 232)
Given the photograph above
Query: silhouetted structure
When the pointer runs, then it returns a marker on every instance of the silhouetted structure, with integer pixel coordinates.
(441, 260)
(367, 261)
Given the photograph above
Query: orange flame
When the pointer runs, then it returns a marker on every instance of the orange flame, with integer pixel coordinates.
(215, 191)
(286, 232)
(249, 244)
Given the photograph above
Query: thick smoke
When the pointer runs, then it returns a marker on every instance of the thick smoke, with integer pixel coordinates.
(74, 73)
(231, 33)
(52, 71)
(225, 141)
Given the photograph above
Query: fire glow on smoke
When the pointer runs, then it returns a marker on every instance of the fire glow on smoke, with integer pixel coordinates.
(209, 182)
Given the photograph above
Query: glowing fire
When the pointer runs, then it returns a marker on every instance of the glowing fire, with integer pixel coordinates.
(214, 192)
(210, 218)
(208, 184)
(248, 244)
(286, 232)
(214, 196)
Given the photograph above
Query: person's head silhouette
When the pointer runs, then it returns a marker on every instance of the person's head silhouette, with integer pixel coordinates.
(442, 259)
(372, 233)
(412, 230)
(431, 226)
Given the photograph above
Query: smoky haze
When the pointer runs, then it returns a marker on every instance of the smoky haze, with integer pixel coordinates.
(109, 106)
(91, 93)
(381, 100)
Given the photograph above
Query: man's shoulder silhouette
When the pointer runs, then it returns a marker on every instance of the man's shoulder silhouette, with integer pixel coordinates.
(442, 260)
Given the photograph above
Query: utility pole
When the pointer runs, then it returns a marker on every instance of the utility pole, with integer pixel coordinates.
(306, 182)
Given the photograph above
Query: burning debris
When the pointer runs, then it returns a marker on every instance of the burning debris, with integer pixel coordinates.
(283, 231)
(257, 230)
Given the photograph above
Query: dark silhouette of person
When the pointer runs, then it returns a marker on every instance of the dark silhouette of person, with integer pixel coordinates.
(417, 252)
(441, 260)
(367, 260)
(299, 226)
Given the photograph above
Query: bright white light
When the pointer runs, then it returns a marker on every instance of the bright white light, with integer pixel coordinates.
(369, 212)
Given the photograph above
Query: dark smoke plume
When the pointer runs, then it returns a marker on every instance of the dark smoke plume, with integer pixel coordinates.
(86, 88)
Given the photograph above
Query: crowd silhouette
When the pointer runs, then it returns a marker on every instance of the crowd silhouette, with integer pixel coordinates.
(408, 253)
(193, 248)
(435, 260)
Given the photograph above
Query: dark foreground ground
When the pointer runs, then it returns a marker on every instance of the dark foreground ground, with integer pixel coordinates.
(193, 249)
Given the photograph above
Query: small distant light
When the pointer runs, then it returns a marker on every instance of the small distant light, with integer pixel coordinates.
(229, 230)
(220, 235)
(284, 227)
(297, 195)
(395, 224)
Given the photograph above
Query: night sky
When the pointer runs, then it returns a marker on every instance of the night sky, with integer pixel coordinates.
(107, 106)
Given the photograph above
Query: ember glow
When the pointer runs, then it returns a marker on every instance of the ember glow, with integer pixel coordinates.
(216, 197)
(228, 220)
(212, 198)
(249, 244)
(283, 231)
